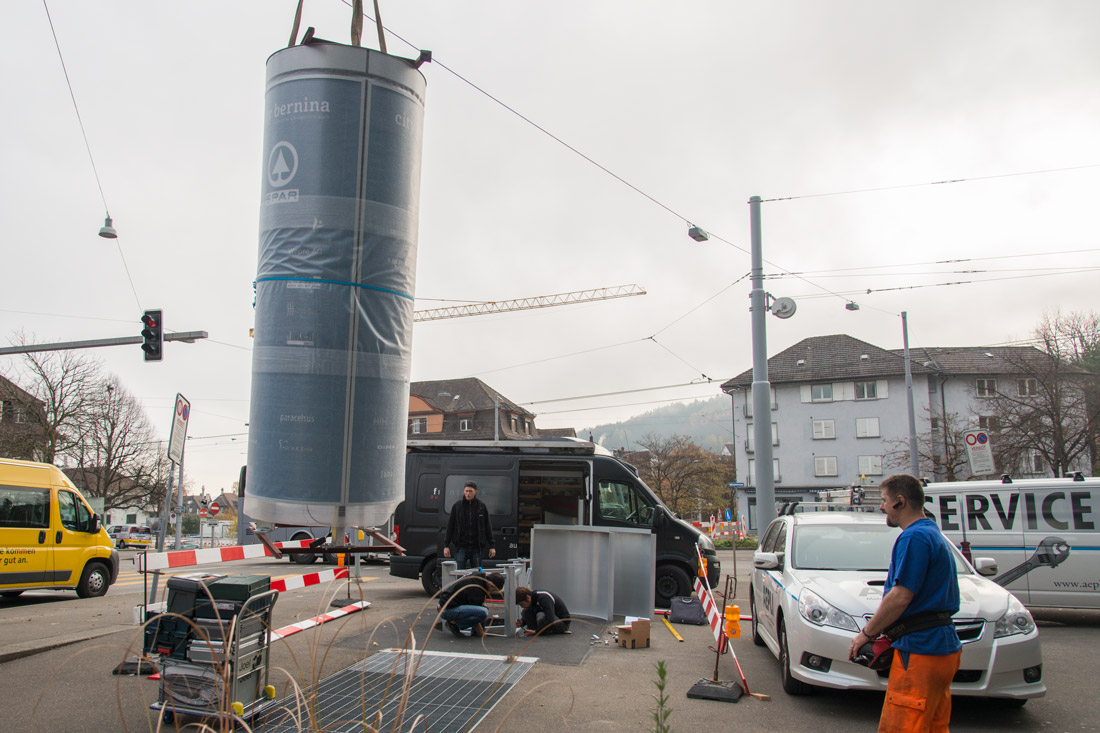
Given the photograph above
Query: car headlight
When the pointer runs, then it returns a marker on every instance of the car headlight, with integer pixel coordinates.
(1017, 620)
(815, 610)
(705, 543)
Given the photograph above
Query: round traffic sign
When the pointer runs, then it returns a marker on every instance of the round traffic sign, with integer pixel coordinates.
(202, 512)
(214, 509)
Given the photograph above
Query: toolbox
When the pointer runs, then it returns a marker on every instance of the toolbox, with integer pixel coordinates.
(200, 651)
(184, 591)
(240, 587)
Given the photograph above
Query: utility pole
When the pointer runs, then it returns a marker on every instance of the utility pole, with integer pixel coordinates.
(914, 457)
(764, 477)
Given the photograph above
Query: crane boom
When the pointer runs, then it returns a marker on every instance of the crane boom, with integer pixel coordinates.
(522, 304)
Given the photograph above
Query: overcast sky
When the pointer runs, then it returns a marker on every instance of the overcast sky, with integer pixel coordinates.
(698, 104)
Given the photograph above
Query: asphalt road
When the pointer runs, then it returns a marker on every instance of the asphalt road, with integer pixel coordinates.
(57, 653)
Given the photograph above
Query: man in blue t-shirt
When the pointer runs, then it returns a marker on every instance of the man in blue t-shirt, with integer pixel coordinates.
(922, 581)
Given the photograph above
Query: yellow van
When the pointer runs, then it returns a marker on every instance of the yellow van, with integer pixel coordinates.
(49, 537)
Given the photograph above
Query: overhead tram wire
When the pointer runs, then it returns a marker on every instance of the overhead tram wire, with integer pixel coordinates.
(687, 219)
(88, 147)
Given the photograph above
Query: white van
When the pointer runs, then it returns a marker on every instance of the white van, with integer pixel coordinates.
(1042, 533)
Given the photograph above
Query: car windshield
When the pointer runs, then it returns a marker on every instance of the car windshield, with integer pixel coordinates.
(850, 547)
(843, 547)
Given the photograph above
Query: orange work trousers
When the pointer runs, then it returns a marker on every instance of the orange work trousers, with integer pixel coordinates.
(918, 699)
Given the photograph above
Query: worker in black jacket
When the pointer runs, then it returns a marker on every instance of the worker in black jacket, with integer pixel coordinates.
(543, 612)
(462, 603)
(469, 533)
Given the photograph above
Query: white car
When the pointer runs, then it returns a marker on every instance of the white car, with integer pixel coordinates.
(817, 579)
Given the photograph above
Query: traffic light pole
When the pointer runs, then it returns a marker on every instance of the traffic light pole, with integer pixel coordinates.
(188, 337)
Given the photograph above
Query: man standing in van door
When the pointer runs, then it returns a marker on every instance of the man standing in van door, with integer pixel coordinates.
(923, 581)
(469, 531)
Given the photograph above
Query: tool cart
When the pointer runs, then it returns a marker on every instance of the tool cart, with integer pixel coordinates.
(213, 648)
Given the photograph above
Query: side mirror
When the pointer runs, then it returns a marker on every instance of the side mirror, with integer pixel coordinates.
(93, 525)
(986, 566)
(659, 518)
(766, 561)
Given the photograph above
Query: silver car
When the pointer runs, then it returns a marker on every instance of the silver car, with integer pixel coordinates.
(818, 578)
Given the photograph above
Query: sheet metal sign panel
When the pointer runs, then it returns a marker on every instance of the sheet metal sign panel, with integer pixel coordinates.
(179, 429)
(979, 451)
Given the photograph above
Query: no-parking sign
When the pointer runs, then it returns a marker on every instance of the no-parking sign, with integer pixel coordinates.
(979, 451)
(179, 429)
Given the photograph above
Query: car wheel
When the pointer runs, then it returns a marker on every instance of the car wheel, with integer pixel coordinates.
(672, 581)
(756, 638)
(790, 685)
(303, 558)
(121, 545)
(431, 576)
(94, 581)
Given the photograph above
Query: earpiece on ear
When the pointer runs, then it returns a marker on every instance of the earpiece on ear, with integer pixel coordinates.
(898, 504)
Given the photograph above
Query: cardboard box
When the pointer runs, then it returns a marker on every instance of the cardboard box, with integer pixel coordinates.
(636, 635)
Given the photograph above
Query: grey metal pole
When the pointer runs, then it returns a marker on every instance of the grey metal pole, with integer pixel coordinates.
(914, 457)
(179, 506)
(496, 416)
(761, 388)
(163, 532)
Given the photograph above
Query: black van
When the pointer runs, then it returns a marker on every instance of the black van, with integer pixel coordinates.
(524, 483)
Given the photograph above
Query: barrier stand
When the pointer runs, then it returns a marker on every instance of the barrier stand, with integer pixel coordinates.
(713, 689)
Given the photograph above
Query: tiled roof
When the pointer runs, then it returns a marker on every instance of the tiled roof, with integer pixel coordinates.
(821, 358)
(469, 394)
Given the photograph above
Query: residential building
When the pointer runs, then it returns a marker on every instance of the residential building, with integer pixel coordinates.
(466, 409)
(839, 413)
(22, 416)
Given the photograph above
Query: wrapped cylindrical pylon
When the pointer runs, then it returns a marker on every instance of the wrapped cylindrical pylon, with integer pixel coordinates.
(334, 286)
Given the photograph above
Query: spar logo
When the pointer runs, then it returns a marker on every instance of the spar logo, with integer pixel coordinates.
(282, 165)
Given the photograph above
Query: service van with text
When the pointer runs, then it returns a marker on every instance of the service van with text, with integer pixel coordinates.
(1041, 532)
(49, 536)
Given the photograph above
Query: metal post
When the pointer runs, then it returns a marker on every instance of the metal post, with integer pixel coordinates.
(761, 388)
(163, 532)
(179, 506)
(914, 456)
(496, 416)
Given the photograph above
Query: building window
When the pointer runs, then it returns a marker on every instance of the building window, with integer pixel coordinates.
(748, 401)
(1027, 387)
(988, 423)
(750, 439)
(752, 471)
(1031, 462)
(418, 425)
(131, 518)
(512, 423)
(824, 429)
(866, 390)
(935, 425)
(821, 393)
(985, 387)
(870, 465)
(527, 426)
(867, 427)
(465, 425)
(825, 466)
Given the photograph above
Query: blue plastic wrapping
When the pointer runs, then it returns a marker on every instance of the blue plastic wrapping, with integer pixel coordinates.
(334, 286)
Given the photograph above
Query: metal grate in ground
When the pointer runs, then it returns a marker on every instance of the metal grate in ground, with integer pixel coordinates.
(452, 691)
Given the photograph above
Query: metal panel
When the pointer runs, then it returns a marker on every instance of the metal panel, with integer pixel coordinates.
(575, 562)
(452, 691)
(634, 555)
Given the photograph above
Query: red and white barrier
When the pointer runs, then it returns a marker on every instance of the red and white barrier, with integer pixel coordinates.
(317, 620)
(187, 558)
(713, 616)
(301, 581)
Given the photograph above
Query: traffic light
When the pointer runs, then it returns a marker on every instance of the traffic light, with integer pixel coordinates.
(153, 333)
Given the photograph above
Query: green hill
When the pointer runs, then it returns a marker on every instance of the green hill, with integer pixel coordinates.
(709, 424)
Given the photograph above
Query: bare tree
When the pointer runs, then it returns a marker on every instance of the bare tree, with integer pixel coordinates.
(118, 456)
(687, 477)
(60, 383)
(941, 449)
(1046, 409)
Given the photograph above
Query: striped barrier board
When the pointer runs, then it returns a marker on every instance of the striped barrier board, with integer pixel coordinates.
(317, 620)
(187, 558)
(301, 581)
(710, 608)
